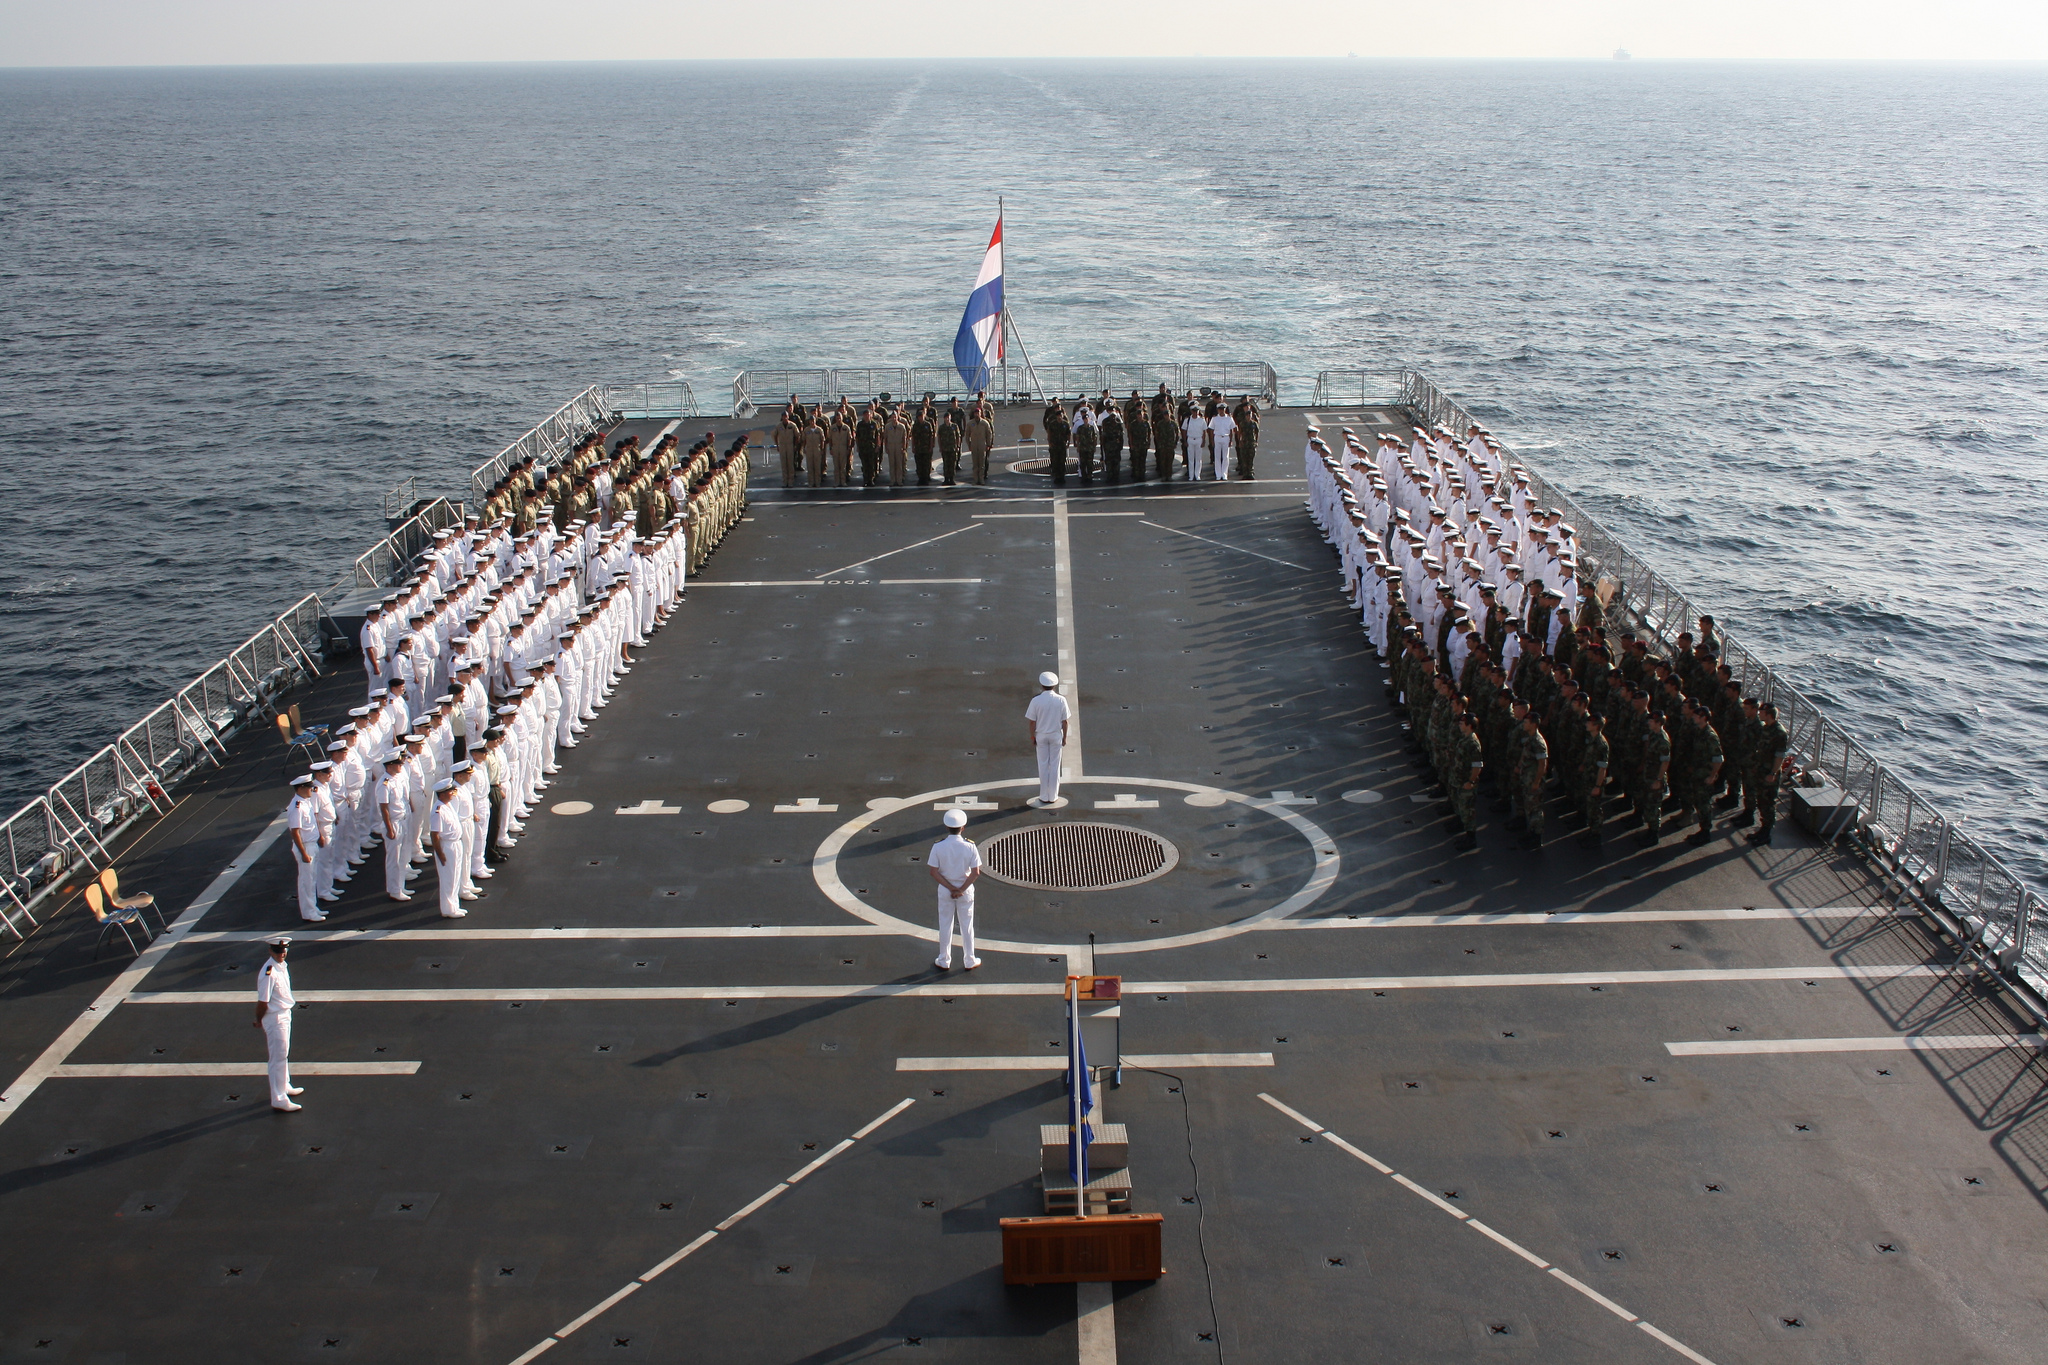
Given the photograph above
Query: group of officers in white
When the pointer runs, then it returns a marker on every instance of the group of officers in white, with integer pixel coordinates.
(1448, 526)
(498, 653)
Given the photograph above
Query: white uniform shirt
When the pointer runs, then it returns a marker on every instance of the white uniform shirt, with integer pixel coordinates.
(302, 816)
(1224, 430)
(274, 985)
(447, 821)
(955, 856)
(1047, 713)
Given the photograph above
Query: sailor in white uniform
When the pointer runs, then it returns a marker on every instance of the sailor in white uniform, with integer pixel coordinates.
(1046, 717)
(302, 827)
(1222, 436)
(394, 812)
(274, 1016)
(450, 866)
(955, 864)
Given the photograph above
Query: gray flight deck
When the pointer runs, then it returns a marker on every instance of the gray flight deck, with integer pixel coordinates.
(664, 1011)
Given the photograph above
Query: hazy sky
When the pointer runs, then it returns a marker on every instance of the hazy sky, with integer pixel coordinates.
(179, 32)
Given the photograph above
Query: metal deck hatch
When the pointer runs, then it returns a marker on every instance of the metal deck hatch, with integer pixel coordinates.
(1077, 855)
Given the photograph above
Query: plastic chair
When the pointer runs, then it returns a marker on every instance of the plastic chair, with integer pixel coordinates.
(310, 740)
(112, 919)
(110, 886)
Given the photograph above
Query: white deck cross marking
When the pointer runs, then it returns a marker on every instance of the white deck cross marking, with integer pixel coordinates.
(1290, 799)
(1531, 1257)
(1126, 801)
(805, 805)
(649, 807)
(965, 803)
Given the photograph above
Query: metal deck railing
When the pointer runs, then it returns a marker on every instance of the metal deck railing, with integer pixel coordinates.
(753, 390)
(1992, 914)
(80, 817)
(549, 439)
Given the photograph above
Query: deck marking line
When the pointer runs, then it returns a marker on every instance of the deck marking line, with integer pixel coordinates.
(1095, 1321)
(886, 989)
(1531, 1257)
(123, 986)
(820, 582)
(1596, 1296)
(1674, 1343)
(1910, 1042)
(1031, 516)
(1239, 548)
(1382, 1167)
(1143, 1061)
(1070, 669)
(834, 573)
(561, 1334)
(534, 935)
(1483, 920)
(156, 1070)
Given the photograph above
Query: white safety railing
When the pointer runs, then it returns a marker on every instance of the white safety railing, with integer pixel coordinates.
(385, 562)
(81, 816)
(1992, 914)
(753, 390)
(667, 398)
(549, 440)
(1359, 389)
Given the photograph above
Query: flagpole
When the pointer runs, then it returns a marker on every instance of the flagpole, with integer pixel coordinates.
(1002, 323)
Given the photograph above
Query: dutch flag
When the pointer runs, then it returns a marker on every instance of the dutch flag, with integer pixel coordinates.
(979, 345)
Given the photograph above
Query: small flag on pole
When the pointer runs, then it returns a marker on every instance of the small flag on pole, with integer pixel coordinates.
(1080, 1099)
(979, 345)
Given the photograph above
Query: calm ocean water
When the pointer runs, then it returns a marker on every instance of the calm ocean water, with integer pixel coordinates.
(1782, 326)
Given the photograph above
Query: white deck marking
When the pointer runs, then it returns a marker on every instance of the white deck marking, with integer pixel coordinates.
(1322, 876)
(159, 1070)
(1126, 801)
(823, 582)
(1028, 516)
(882, 990)
(627, 934)
(1906, 1042)
(1290, 799)
(122, 986)
(1481, 920)
(971, 801)
(1499, 1238)
(806, 805)
(1168, 1061)
(1063, 615)
(1095, 1321)
(886, 554)
(732, 1220)
(651, 806)
(1220, 545)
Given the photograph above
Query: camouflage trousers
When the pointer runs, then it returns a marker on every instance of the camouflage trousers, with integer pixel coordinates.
(1529, 805)
(1649, 802)
(1465, 803)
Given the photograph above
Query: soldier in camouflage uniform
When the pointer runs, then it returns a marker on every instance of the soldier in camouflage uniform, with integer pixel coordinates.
(1653, 768)
(1766, 763)
(1592, 778)
(1468, 760)
(1533, 760)
(1703, 774)
(1741, 787)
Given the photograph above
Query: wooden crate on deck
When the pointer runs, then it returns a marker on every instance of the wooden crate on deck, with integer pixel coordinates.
(1120, 1246)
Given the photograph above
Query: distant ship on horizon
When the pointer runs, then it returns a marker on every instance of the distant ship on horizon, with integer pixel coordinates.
(1621, 54)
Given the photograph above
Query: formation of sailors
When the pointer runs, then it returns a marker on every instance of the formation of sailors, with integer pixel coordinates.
(1501, 659)
(1204, 430)
(882, 444)
(491, 657)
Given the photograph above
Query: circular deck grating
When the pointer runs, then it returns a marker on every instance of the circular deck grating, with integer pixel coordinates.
(1077, 855)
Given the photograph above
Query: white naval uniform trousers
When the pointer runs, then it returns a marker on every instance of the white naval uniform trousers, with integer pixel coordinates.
(1191, 439)
(274, 989)
(1225, 432)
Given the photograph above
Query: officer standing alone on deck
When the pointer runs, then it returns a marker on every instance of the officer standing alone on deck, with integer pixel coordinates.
(955, 865)
(1046, 718)
(274, 1017)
